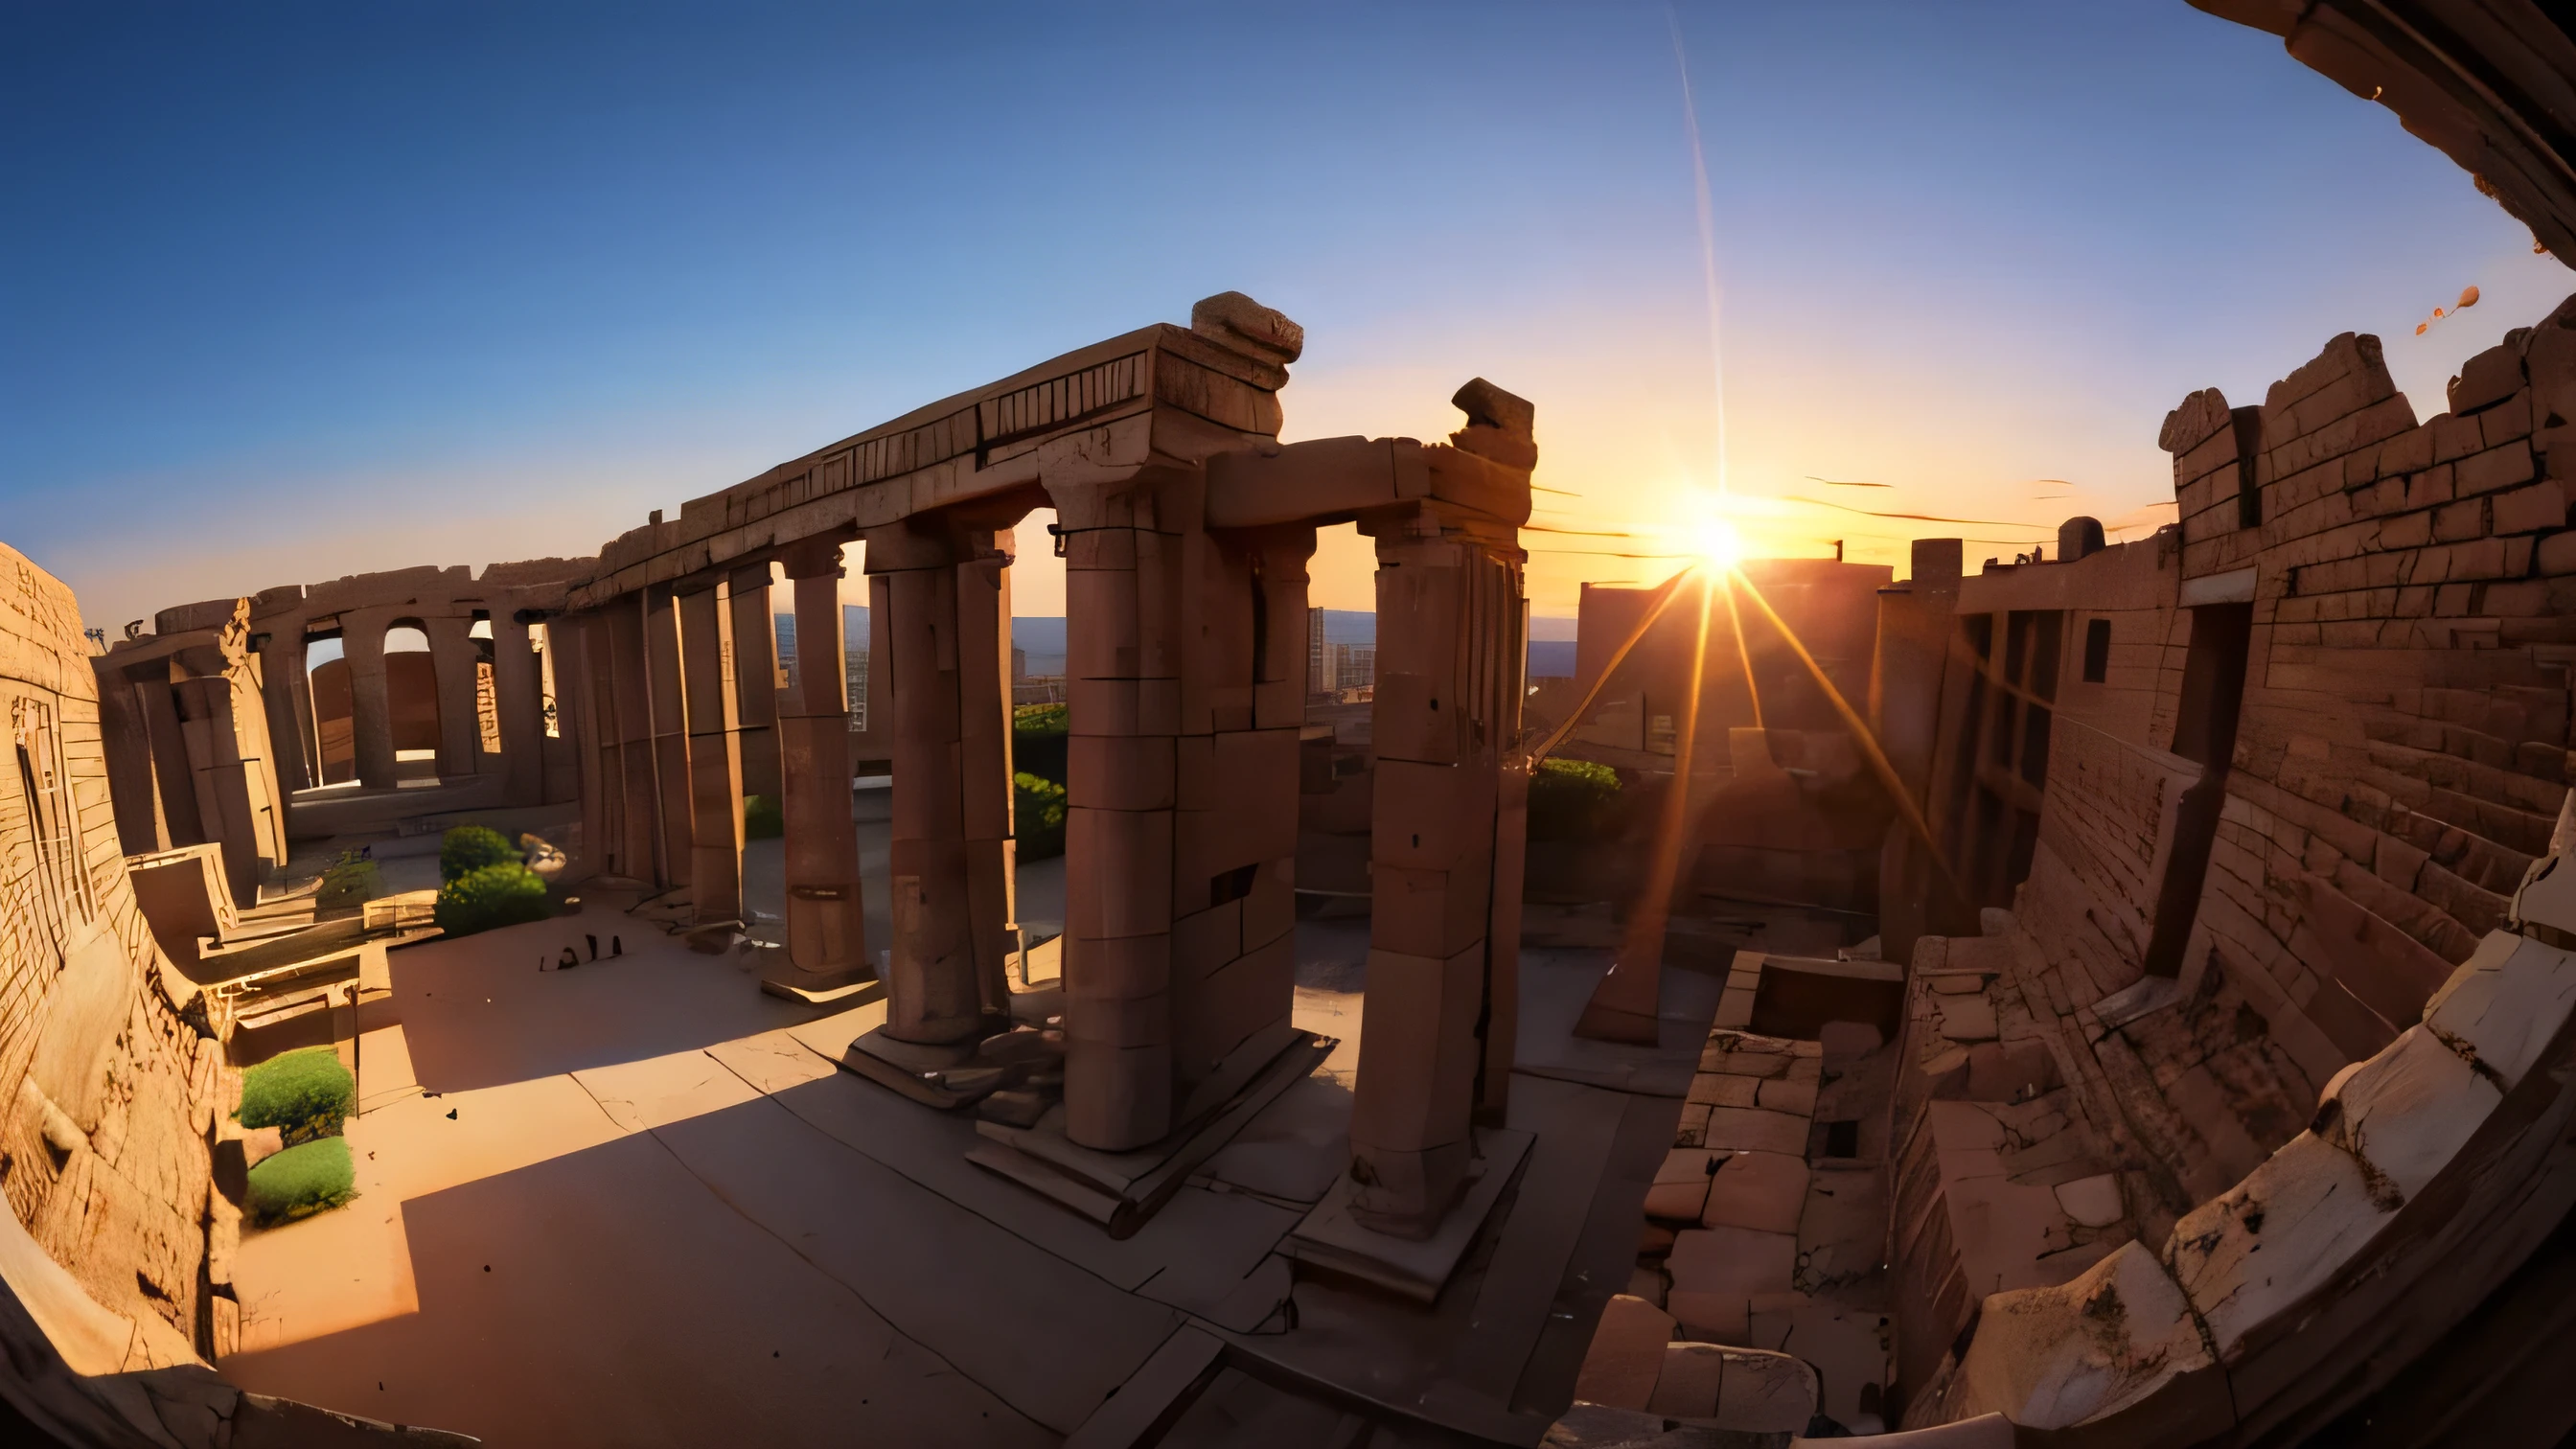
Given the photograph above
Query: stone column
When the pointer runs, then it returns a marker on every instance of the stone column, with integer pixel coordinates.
(947, 635)
(371, 727)
(125, 739)
(1123, 580)
(1234, 827)
(1438, 1019)
(452, 657)
(827, 943)
(285, 696)
(518, 687)
(579, 643)
(630, 734)
(755, 677)
(670, 726)
(715, 755)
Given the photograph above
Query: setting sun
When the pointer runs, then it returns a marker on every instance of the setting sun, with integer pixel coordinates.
(1714, 538)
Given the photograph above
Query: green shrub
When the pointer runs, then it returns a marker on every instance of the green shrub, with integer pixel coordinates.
(761, 819)
(1039, 821)
(496, 895)
(301, 1181)
(1572, 800)
(304, 1094)
(1039, 738)
(469, 848)
(348, 881)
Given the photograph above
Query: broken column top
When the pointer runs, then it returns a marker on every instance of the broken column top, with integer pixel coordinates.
(1500, 425)
(1245, 325)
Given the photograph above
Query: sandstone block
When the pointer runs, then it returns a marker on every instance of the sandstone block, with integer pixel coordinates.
(1688, 1386)
(2407, 1110)
(1627, 1354)
(1417, 1049)
(2495, 468)
(1766, 1393)
(2052, 1358)
(2200, 416)
(1119, 880)
(1739, 1129)
(1732, 1262)
(1120, 772)
(2530, 510)
(2486, 379)
(1430, 912)
(1763, 1191)
(2505, 1003)
(2257, 1249)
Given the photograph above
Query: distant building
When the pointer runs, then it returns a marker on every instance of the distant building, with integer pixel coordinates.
(1317, 681)
(1354, 666)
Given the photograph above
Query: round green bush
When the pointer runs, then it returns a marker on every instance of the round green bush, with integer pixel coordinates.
(1572, 800)
(496, 895)
(304, 1094)
(761, 818)
(469, 848)
(1039, 825)
(301, 1181)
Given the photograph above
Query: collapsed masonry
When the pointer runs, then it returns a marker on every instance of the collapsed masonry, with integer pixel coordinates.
(2262, 819)
(2229, 1095)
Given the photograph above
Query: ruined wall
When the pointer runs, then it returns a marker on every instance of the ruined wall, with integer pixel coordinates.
(2403, 748)
(112, 1088)
(2108, 786)
(2399, 594)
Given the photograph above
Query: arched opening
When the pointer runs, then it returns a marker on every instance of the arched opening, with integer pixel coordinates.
(335, 739)
(411, 702)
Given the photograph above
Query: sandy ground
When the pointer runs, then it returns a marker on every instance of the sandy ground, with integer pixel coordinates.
(577, 1226)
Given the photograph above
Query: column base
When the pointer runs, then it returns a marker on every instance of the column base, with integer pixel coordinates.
(1333, 1240)
(945, 1075)
(1122, 1190)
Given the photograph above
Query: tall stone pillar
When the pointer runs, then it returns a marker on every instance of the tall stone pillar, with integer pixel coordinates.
(580, 647)
(518, 689)
(1234, 830)
(827, 944)
(714, 755)
(452, 657)
(371, 722)
(125, 739)
(630, 708)
(670, 726)
(755, 676)
(948, 605)
(1447, 836)
(1447, 706)
(1123, 608)
(283, 688)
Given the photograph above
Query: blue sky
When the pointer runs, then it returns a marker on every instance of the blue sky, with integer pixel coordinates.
(295, 291)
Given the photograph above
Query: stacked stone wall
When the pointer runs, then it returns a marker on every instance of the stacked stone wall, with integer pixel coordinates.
(112, 1087)
(2402, 753)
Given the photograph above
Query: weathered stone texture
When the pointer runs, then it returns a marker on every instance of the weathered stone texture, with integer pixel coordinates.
(111, 1087)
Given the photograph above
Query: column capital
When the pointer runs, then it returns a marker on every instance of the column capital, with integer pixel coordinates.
(813, 558)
